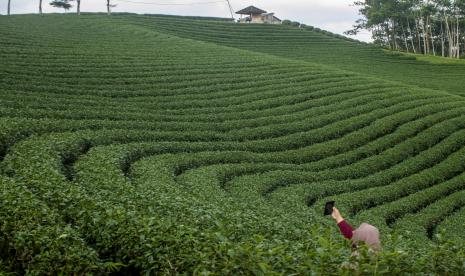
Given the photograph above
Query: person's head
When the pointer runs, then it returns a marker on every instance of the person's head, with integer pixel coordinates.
(368, 234)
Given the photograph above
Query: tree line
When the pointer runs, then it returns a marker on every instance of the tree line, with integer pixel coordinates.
(65, 4)
(430, 27)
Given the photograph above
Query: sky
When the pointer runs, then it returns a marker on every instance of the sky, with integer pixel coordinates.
(336, 16)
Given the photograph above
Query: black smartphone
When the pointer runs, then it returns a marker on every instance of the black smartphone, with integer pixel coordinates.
(329, 208)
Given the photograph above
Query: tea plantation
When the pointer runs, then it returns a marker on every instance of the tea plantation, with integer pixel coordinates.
(135, 144)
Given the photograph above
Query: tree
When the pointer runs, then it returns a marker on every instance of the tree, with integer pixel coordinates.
(9, 7)
(109, 6)
(420, 26)
(67, 5)
(61, 4)
(40, 6)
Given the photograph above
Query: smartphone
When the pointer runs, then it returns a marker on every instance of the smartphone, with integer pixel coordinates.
(329, 208)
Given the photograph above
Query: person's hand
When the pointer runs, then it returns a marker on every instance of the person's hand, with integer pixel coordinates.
(336, 215)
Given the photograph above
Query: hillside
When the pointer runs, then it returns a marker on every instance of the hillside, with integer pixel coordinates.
(316, 47)
(164, 145)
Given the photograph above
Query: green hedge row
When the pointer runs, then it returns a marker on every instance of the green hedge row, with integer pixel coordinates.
(127, 148)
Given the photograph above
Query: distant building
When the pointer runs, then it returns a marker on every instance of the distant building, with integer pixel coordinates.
(256, 15)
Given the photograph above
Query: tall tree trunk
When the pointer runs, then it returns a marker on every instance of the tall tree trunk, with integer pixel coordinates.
(9, 7)
(387, 31)
(458, 38)
(431, 36)
(394, 34)
(40, 7)
(411, 39)
(108, 7)
(78, 7)
(425, 37)
(417, 28)
(405, 38)
(449, 35)
(454, 43)
(443, 53)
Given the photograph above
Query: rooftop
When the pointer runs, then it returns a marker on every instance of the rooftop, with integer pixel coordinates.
(251, 10)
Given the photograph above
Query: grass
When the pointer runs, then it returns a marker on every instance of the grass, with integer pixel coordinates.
(434, 59)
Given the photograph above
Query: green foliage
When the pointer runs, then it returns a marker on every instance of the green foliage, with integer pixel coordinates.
(318, 46)
(414, 26)
(138, 151)
(61, 4)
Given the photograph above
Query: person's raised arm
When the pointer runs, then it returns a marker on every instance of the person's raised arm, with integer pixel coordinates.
(337, 215)
(345, 228)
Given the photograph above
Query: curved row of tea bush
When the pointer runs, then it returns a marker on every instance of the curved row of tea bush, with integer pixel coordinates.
(450, 225)
(127, 149)
(307, 44)
(425, 221)
(28, 166)
(387, 214)
(422, 149)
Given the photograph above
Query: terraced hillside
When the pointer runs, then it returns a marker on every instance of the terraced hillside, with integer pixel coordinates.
(128, 149)
(317, 47)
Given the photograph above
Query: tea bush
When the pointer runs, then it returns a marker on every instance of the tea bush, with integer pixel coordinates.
(145, 144)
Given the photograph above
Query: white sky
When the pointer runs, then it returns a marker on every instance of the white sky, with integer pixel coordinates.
(333, 15)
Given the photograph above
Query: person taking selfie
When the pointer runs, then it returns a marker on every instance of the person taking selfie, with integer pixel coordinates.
(366, 233)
